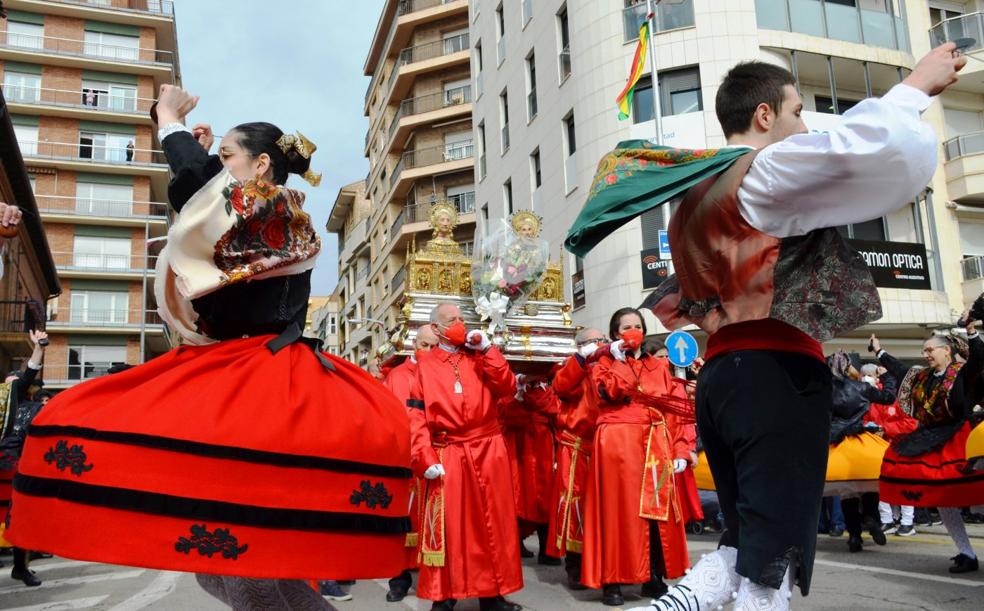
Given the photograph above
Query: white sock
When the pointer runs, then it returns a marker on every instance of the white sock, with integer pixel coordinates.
(710, 584)
(757, 597)
(954, 524)
(908, 513)
(885, 512)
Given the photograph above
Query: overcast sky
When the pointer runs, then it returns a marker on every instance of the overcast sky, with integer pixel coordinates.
(294, 63)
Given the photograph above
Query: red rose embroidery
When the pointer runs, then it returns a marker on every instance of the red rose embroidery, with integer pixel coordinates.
(274, 234)
(236, 199)
(253, 226)
(280, 209)
(611, 179)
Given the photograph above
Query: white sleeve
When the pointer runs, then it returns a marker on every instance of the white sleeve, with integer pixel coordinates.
(878, 158)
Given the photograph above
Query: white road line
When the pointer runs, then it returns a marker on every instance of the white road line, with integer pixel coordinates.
(162, 585)
(65, 605)
(956, 581)
(72, 581)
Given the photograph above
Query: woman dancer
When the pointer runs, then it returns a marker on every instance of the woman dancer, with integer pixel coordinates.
(247, 452)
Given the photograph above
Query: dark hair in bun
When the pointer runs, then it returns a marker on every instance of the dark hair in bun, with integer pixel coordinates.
(259, 137)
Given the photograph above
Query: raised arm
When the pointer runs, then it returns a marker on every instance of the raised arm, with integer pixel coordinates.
(191, 165)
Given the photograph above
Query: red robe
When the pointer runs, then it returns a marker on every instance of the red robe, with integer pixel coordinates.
(527, 427)
(577, 413)
(468, 542)
(685, 480)
(399, 380)
(631, 475)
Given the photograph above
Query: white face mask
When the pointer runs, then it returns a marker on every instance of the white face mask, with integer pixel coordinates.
(870, 380)
(587, 349)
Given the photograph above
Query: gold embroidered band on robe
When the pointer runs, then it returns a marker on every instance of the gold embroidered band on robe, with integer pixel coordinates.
(657, 496)
(433, 551)
(569, 509)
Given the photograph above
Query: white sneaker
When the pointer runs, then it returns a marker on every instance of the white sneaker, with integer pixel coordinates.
(710, 584)
(757, 597)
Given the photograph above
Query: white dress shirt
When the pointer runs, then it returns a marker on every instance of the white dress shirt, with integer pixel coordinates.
(878, 158)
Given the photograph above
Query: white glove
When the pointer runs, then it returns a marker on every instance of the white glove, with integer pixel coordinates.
(616, 350)
(587, 349)
(434, 471)
(477, 340)
(870, 380)
(679, 464)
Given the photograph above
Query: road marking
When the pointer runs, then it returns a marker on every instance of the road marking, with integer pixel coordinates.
(956, 581)
(73, 581)
(64, 605)
(162, 585)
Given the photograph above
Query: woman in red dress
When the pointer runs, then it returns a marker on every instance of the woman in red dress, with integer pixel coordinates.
(247, 451)
(634, 525)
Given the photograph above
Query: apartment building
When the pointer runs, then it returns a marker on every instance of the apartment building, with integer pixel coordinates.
(547, 73)
(322, 321)
(420, 150)
(79, 77)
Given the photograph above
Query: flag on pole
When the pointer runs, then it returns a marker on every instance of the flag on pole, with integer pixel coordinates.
(624, 99)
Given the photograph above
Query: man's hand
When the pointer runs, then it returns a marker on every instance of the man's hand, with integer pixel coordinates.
(937, 70)
(174, 104)
(37, 336)
(203, 133)
(10, 215)
(694, 460)
(434, 471)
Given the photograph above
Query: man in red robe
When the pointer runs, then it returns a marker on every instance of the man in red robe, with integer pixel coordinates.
(468, 543)
(399, 380)
(578, 411)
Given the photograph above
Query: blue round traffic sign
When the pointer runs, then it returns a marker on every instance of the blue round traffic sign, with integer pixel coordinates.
(682, 348)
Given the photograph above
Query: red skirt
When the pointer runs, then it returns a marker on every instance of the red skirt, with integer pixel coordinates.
(689, 498)
(225, 459)
(941, 478)
(6, 478)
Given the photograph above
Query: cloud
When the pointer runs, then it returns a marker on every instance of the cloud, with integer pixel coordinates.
(297, 64)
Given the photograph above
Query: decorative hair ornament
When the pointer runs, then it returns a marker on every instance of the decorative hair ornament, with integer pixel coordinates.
(312, 178)
(305, 148)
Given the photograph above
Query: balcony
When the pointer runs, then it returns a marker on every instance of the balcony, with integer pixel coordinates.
(83, 265)
(151, 7)
(118, 320)
(973, 278)
(436, 55)
(964, 26)
(105, 211)
(94, 154)
(419, 212)
(78, 103)
(964, 168)
(879, 28)
(115, 58)
(433, 160)
(668, 17)
(396, 284)
(425, 110)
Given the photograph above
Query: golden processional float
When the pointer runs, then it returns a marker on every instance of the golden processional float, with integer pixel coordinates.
(509, 288)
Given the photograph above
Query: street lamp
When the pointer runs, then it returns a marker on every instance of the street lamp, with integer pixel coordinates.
(369, 321)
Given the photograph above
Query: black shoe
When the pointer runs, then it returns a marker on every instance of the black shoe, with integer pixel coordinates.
(873, 526)
(854, 543)
(574, 583)
(962, 563)
(40, 555)
(31, 580)
(443, 605)
(497, 603)
(548, 560)
(396, 595)
(836, 531)
(612, 595)
(654, 588)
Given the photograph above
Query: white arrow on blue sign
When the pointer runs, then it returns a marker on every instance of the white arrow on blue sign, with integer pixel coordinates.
(682, 348)
(664, 244)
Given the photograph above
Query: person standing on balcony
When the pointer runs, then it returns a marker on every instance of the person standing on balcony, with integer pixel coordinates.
(129, 151)
(246, 455)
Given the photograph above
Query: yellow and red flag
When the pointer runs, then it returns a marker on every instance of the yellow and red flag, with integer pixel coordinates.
(624, 99)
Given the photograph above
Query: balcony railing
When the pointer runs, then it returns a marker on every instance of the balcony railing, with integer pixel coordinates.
(396, 284)
(667, 17)
(963, 26)
(81, 48)
(879, 28)
(116, 155)
(398, 223)
(565, 63)
(410, 6)
(973, 268)
(419, 212)
(434, 155)
(83, 206)
(966, 144)
(103, 263)
(429, 50)
(21, 316)
(81, 99)
(429, 103)
(103, 317)
(154, 7)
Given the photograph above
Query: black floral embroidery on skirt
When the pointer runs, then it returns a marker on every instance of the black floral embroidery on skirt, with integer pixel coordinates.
(209, 543)
(912, 495)
(372, 495)
(64, 456)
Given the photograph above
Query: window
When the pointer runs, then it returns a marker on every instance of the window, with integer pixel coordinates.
(101, 253)
(86, 362)
(485, 215)
(109, 96)
(105, 146)
(570, 147)
(564, 34)
(826, 105)
(463, 197)
(113, 46)
(457, 146)
(507, 199)
(668, 16)
(481, 151)
(332, 324)
(103, 199)
(455, 41)
(26, 35)
(21, 87)
(479, 64)
(652, 221)
(535, 176)
(457, 92)
(531, 87)
(504, 119)
(679, 94)
(869, 230)
(27, 138)
(570, 139)
(500, 32)
(100, 307)
(527, 11)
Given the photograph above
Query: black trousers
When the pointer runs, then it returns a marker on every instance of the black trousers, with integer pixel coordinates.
(858, 508)
(764, 419)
